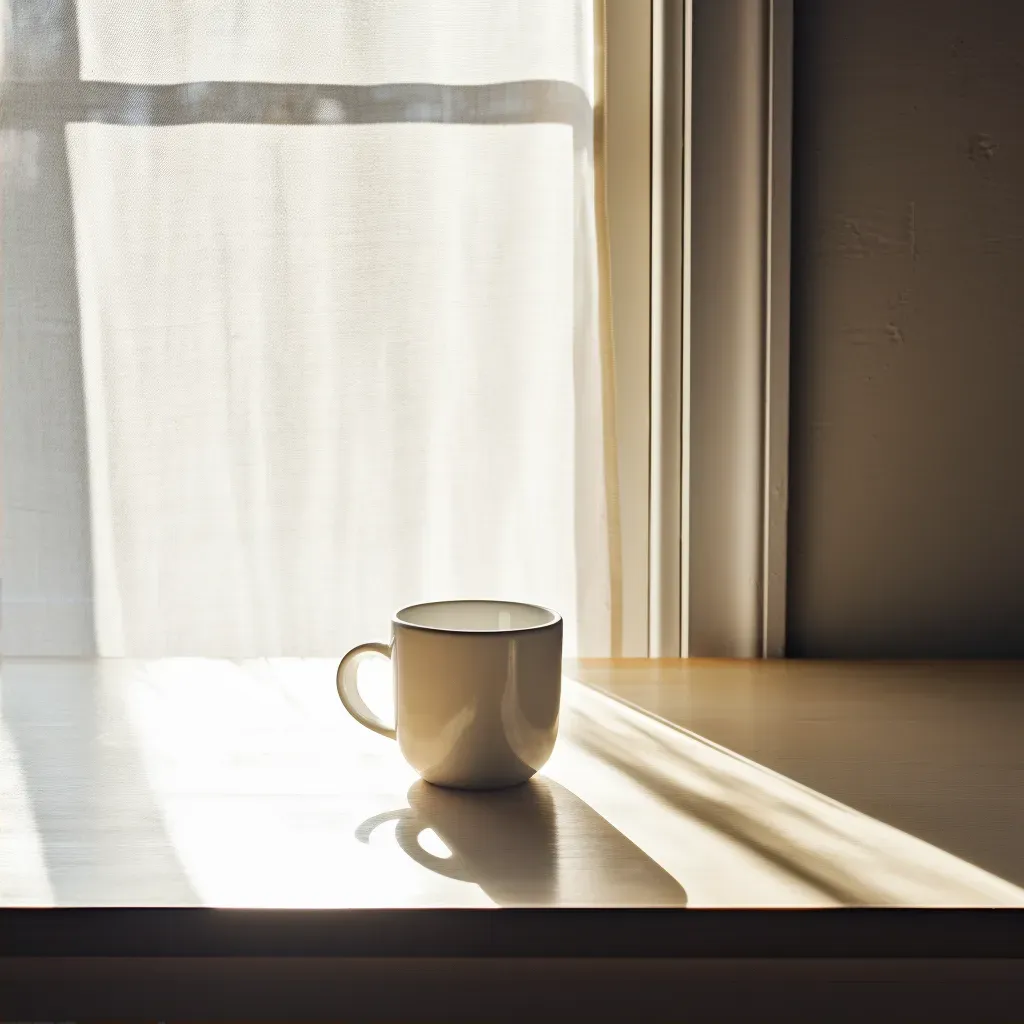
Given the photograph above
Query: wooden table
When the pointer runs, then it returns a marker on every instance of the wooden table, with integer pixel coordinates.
(158, 794)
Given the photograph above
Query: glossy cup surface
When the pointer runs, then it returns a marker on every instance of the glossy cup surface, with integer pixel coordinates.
(477, 690)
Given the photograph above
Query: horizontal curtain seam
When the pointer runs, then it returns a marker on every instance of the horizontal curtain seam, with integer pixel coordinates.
(538, 101)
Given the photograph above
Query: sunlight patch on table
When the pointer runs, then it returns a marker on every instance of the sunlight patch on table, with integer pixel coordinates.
(263, 793)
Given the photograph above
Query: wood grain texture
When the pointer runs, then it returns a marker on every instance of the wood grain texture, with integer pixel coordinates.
(195, 782)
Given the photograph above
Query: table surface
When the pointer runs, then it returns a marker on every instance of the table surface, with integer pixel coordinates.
(206, 783)
(932, 748)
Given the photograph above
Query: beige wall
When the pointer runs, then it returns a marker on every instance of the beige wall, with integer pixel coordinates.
(907, 461)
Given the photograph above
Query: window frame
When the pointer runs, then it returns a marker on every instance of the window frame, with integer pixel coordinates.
(701, 92)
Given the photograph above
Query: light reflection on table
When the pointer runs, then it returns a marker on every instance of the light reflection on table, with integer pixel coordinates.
(227, 783)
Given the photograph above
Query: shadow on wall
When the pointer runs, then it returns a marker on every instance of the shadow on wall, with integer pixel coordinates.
(45, 548)
(906, 486)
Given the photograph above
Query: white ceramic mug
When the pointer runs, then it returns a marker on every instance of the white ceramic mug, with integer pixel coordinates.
(477, 689)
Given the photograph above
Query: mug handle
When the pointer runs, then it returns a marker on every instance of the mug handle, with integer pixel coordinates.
(348, 689)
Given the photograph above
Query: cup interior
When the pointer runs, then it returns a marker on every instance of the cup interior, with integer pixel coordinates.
(476, 616)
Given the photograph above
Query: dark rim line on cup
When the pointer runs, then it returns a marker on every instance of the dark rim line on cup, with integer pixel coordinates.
(556, 619)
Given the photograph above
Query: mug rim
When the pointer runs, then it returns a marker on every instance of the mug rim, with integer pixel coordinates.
(556, 619)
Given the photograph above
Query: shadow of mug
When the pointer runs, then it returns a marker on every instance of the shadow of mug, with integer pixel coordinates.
(531, 845)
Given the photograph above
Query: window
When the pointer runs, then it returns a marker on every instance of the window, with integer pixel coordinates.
(306, 309)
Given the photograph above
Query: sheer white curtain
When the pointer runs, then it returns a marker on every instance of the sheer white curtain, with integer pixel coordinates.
(300, 321)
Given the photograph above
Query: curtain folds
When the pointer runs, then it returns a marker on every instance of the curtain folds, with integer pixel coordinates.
(304, 318)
